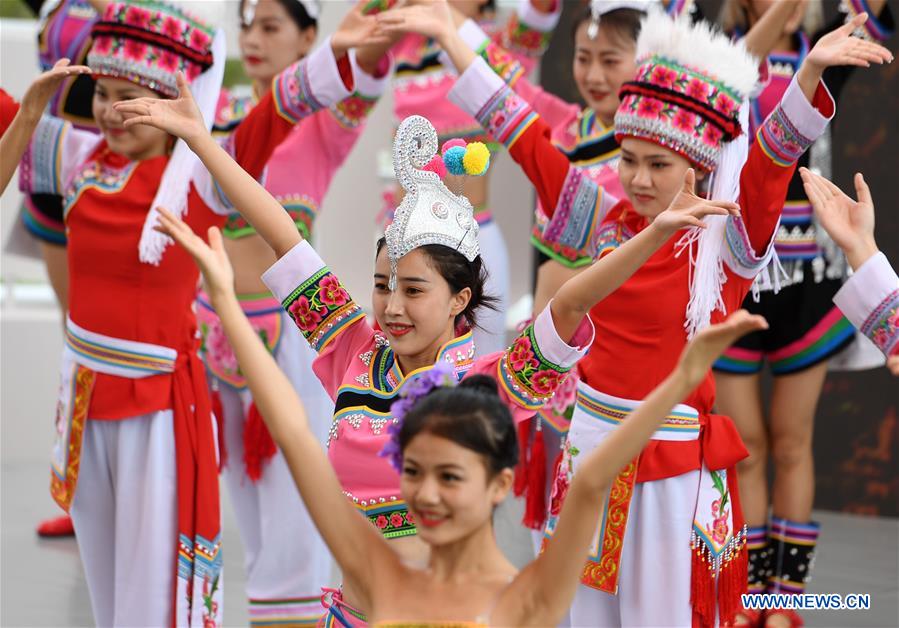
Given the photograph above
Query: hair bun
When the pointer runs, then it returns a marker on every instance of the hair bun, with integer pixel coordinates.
(483, 384)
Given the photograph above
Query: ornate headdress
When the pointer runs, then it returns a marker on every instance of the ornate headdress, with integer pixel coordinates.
(148, 42)
(429, 212)
(598, 8)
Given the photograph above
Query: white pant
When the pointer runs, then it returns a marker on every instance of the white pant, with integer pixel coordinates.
(125, 516)
(654, 582)
(490, 335)
(286, 560)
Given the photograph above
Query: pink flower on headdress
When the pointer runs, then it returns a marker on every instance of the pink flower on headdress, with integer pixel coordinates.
(649, 107)
(306, 318)
(331, 292)
(546, 381)
(102, 45)
(521, 354)
(697, 89)
(168, 60)
(199, 40)
(684, 120)
(712, 135)
(191, 71)
(171, 28)
(725, 104)
(663, 77)
(135, 50)
(137, 16)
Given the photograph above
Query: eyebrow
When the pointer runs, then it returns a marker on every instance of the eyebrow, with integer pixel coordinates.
(408, 279)
(653, 156)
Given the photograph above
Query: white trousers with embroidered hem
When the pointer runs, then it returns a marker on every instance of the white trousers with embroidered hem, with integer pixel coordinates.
(287, 562)
(654, 585)
(490, 335)
(125, 516)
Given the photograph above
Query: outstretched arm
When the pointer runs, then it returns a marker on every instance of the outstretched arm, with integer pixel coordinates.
(548, 584)
(356, 545)
(15, 139)
(580, 293)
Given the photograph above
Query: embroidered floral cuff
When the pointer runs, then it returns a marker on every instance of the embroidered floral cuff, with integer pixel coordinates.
(795, 123)
(528, 31)
(536, 364)
(352, 111)
(312, 295)
(876, 28)
(570, 236)
(739, 255)
(870, 300)
(309, 84)
(485, 96)
(503, 63)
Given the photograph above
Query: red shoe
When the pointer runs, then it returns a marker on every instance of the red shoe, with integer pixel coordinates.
(56, 527)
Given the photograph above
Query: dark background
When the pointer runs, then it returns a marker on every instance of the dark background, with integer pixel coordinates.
(856, 429)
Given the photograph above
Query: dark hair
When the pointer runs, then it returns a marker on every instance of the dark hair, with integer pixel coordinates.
(625, 23)
(459, 273)
(295, 10)
(471, 415)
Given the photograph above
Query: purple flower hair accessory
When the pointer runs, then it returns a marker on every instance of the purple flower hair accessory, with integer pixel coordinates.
(441, 375)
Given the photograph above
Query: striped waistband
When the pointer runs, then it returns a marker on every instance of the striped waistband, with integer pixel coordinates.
(682, 423)
(114, 356)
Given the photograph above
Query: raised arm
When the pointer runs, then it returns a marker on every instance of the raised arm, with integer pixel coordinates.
(361, 552)
(580, 293)
(543, 590)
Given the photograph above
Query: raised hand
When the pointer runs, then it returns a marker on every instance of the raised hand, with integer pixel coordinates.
(839, 47)
(44, 86)
(430, 18)
(687, 209)
(710, 343)
(355, 30)
(211, 258)
(179, 116)
(850, 223)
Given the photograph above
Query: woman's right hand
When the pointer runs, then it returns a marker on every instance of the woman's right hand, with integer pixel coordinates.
(701, 352)
(211, 258)
(177, 116)
(430, 18)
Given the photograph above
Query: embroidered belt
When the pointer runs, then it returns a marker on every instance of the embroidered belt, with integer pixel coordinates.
(114, 356)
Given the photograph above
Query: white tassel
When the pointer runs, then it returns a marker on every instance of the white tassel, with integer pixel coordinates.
(175, 184)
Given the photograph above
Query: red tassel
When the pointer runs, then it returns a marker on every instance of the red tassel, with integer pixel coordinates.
(535, 500)
(258, 445)
(219, 413)
(702, 590)
(732, 583)
(521, 471)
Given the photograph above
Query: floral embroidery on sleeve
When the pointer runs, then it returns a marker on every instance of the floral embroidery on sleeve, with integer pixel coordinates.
(882, 326)
(526, 375)
(322, 308)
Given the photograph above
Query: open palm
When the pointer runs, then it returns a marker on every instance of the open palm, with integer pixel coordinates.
(687, 209)
(211, 258)
(839, 47)
(431, 18)
(710, 343)
(850, 223)
(45, 85)
(178, 116)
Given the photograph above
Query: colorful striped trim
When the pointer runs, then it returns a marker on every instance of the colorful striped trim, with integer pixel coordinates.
(685, 421)
(793, 532)
(506, 116)
(527, 376)
(742, 257)
(97, 176)
(322, 308)
(119, 356)
(739, 360)
(575, 220)
(300, 611)
(558, 423)
(796, 212)
(832, 333)
(882, 325)
(872, 29)
(41, 226)
(293, 95)
(756, 537)
(781, 141)
(391, 518)
(41, 167)
(506, 66)
(199, 558)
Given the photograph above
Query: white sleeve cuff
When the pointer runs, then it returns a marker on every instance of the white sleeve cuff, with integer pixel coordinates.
(475, 87)
(538, 20)
(366, 84)
(473, 36)
(556, 350)
(866, 289)
(324, 76)
(802, 114)
(296, 266)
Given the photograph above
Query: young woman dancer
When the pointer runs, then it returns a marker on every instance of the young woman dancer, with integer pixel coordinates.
(286, 561)
(134, 461)
(454, 448)
(428, 286)
(806, 328)
(674, 115)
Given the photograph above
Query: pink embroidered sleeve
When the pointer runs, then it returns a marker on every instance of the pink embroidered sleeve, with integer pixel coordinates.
(56, 150)
(870, 300)
(531, 370)
(332, 323)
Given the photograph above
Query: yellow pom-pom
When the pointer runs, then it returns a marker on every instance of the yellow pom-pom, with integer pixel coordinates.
(476, 159)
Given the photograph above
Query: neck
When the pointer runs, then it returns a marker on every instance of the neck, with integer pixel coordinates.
(474, 554)
(261, 88)
(426, 358)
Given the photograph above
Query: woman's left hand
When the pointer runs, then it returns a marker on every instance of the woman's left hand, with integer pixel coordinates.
(44, 86)
(687, 209)
(355, 30)
(839, 47)
(701, 352)
(430, 18)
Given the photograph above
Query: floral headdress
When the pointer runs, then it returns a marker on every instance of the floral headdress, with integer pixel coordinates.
(441, 375)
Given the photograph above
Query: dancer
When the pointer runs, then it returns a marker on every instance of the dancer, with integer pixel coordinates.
(428, 287)
(807, 329)
(454, 448)
(134, 461)
(286, 561)
(673, 116)
(870, 297)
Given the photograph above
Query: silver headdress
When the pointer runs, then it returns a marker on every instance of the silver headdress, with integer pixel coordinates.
(429, 212)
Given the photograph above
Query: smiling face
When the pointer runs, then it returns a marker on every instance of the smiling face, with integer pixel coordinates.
(601, 66)
(651, 175)
(447, 489)
(136, 143)
(419, 316)
(272, 42)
